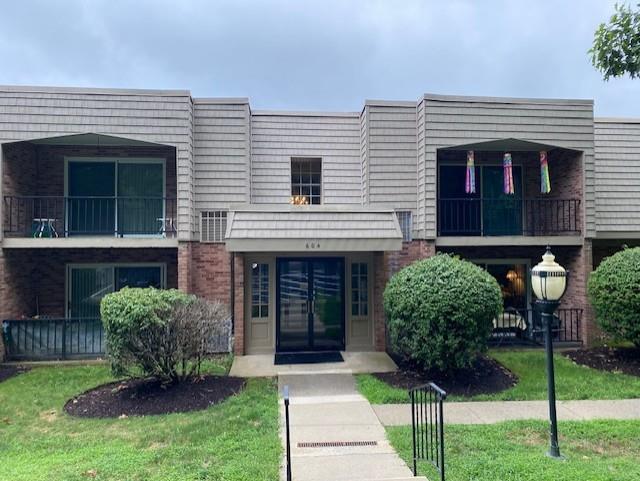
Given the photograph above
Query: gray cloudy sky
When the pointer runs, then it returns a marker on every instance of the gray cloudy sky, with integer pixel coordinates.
(322, 55)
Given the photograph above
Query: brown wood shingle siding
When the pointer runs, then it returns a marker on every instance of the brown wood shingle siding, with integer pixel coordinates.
(391, 155)
(617, 147)
(221, 154)
(446, 122)
(276, 138)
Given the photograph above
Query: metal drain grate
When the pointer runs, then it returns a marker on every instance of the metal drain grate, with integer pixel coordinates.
(337, 444)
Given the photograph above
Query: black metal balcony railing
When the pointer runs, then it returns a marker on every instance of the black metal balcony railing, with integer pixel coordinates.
(38, 216)
(508, 216)
(525, 325)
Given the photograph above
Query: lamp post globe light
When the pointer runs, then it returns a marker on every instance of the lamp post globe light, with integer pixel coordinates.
(549, 283)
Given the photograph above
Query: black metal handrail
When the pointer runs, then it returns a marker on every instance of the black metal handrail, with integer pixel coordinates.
(508, 216)
(53, 338)
(59, 216)
(285, 395)
(427, 426)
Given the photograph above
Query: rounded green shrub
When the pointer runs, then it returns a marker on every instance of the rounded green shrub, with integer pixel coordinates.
(440, 312)
(614, 292)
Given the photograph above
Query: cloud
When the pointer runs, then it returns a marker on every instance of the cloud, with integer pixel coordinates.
(317, 55)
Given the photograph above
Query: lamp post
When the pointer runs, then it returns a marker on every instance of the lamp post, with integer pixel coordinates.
(549, 283)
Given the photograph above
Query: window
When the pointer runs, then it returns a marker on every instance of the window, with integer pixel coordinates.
(512, 278)
(259, 290)
(359, 289)
(87, 285)
(406, 224)
(213, 225)
(306, 181)
(106, 196)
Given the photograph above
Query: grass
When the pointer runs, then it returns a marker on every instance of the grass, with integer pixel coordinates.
(235, 440)
(515, 451)
(572, 381)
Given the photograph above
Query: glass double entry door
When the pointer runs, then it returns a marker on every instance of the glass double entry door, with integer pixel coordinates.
(310, 304)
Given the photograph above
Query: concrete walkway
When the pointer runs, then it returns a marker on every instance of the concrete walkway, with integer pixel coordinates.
(497, 411)
(326, 408)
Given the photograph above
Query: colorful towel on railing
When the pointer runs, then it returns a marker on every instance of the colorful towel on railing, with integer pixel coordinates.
(470, 182)
(545, 181)
(508, 173)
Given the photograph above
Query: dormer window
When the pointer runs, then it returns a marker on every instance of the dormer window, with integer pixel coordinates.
(306, 181)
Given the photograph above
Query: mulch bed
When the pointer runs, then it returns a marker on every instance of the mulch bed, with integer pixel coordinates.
(9, 371)
(140, 397)
(612, 359)
(486, 376)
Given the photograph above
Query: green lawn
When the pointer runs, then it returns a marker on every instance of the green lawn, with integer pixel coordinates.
(235, 440)
(572, 381)
(515, 451)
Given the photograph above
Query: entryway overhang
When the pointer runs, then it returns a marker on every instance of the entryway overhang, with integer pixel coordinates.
(312, 228)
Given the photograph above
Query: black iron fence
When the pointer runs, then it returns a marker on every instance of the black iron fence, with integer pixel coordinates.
(508, 216)
(524, 325)
(427, 426)
(285, 395)
(38, 216)
(81, 338)
(41, 339)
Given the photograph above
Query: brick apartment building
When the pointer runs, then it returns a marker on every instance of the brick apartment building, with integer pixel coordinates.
(104, 188)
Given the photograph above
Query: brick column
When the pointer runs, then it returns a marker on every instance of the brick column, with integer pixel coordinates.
(379, 283)
(579, 262)
(238, 308)
(590, 330)
(184, 267)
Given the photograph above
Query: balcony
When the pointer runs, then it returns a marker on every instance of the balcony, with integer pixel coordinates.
(485, 212)
(509, 217)
(88, 190)
(50, 217)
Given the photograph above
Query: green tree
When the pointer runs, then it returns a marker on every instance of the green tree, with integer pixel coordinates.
(616, 45)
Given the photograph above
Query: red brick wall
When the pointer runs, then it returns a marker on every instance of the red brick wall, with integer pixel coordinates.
(34, 279)
(385, 265)
(204, 269)
(19, 169)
